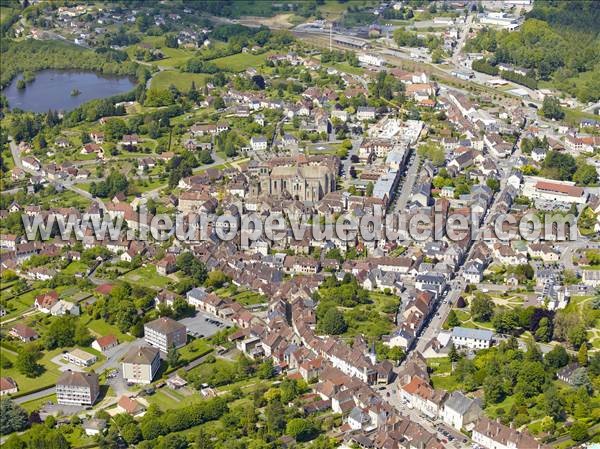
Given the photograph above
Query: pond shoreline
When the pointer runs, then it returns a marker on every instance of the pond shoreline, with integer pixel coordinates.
(52, 88)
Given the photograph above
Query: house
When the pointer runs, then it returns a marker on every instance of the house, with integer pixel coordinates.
(7, 386)
(565, 374)
(423, 397)
(77, 388)
(31, 163)
(166, 265)
(358, 419)
(493, 435)
(130, 140)
(97, 137)
(165, 332)
(79, 357)
(9, 241)
(130, 406)
(258, 143)
(460, 410)
(141, 364)
(365, 113)
(105, 343)
(473, 272)
(463, 337)
(45, 301)
(23, 333)
(63, 307)
(538, 154)
(591, 278)
(371, 59)
(95, 426)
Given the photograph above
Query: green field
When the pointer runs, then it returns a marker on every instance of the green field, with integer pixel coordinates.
(240, 61)
(147, 277)
(168, 399)
(102, 328)
(244, 297)
(26, 384)
(374, 319)
(181, 81)
(196, 348)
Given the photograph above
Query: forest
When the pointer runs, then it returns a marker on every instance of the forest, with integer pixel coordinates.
(559, 42)
(32, 55)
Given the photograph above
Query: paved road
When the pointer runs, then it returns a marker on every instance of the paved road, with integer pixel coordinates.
(408, 183)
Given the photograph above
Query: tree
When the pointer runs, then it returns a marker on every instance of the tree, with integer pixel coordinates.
(547, 425)
(493, 184)
(453, 354)
(585, 174)
(582, 355)
(551, 108)
(557, 357)
(582, 380)
(544, 331)
(203, 440)
(578, 431)
(301, 429)
(192, 267)
(493, 389)
(265, 369)
(173, 357)
(434, 152)
(131, 433)
(577, 336)
(552, 403)
(216, 279)
(333, 322)
(558, 165)
(289, 390)
(482, 308)
(82, 335)
(13, 418)
(275, 417)
(369, 189)
(61, 333)
(453, 320)
(27, 360)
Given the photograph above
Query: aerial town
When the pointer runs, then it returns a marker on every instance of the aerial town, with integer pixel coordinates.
(311, 224)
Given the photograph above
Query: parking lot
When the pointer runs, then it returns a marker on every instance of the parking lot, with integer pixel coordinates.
(204, 325)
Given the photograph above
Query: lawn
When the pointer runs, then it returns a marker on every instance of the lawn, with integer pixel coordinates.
(27, 384)
(18, 304)
(196, 348)
(181, 81)
(244, 297)
(240, 61)
(36, 404)
(101, 328)
(374, 319)
(147, 277)
(168, 399)
(75, 267)
(441, 375)
(347, 68)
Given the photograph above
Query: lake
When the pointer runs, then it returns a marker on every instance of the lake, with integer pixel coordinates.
(52, 89)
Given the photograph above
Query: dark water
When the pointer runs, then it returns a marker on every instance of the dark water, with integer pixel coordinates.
(51, 89)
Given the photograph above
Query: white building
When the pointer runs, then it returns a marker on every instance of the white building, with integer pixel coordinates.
(140, 365)
(537, 188)
(463, 337)
(459, 410)
(259, 143)
(371, 59)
